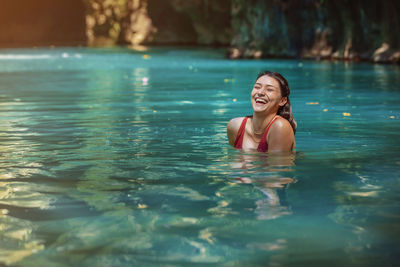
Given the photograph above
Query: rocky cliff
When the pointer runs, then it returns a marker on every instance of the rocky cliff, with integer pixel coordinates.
(340, 29)
(318, 29)
(155, 22)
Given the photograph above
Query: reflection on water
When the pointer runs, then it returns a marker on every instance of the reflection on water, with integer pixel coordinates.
(273, 185)
(17, 195)
(110, 157)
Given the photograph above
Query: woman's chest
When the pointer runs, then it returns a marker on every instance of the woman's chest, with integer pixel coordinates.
(250, 142)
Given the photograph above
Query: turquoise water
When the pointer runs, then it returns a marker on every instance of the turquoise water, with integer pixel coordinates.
(119, 157)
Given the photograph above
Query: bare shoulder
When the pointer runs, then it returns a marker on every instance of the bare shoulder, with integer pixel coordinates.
(281, 125)
(233, 128)
(234, 124)
(281, 136)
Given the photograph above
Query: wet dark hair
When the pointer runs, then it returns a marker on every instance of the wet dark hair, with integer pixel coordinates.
(286, 110)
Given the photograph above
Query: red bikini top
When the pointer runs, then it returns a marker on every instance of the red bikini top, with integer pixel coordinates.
(263, 145)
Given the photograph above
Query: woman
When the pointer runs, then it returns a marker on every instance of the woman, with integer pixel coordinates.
(272, 126)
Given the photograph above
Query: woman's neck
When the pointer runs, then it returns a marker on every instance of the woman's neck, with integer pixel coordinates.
(259, 123)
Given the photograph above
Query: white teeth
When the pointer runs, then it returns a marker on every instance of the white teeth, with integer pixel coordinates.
(259, 100)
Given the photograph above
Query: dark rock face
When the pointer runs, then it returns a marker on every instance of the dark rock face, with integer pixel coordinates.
(42, 23)
(173, 26)
(203, 22)
(342, 29)
(194, 22)
(156, 22)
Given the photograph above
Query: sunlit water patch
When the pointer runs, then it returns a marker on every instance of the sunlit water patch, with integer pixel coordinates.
(114, 157)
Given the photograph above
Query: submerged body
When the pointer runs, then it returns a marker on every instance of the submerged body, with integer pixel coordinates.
(272, 127)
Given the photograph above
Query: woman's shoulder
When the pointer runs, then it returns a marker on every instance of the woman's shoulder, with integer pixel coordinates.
(281, 136)
(281, 124)
(234, 124)
(233, 128)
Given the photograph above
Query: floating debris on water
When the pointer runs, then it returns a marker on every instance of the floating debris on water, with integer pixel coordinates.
(224, 203)
(206, 235)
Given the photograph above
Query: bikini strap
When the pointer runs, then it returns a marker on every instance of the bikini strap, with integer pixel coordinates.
(240, 134)
(263, 145)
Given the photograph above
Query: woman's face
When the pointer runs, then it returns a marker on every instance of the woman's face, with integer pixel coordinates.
(266, 95)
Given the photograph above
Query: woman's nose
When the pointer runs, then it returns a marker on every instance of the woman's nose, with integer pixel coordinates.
(261, 91)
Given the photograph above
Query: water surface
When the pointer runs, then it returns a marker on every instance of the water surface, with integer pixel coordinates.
(119, 157)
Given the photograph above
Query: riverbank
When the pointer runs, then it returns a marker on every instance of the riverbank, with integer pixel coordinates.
(382, 55)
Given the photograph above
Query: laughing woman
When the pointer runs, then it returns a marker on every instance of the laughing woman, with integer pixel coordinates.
(271, 128)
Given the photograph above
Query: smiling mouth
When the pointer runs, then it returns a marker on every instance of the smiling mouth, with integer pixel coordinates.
(260, 101)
